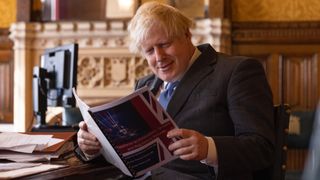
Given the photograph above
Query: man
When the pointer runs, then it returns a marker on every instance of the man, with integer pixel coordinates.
(222, 104)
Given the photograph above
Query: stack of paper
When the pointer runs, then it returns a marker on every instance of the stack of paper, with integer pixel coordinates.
(34, 147)
(14, 170)
(14, 166)
(26, 143)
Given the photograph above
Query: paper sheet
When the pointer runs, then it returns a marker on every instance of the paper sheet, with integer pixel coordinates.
(13, 166)
(28, 171)
(25, 143)
(24, 157)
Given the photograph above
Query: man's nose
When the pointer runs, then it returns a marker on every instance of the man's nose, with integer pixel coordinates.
(159, 54)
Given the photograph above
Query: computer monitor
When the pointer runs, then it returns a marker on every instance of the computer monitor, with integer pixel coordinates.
(54, 79)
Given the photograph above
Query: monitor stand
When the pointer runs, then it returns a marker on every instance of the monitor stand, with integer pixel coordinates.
(71, 117)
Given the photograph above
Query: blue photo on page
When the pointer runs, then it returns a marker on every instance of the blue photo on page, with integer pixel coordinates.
(122, 123)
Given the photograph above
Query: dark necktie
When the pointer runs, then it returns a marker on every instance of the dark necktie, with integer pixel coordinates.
(165, 95)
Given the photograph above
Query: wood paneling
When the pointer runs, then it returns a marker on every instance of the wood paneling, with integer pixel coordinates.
(6, 78)
(301, 85)
(289, 52)
(275, 10)
(296, 159)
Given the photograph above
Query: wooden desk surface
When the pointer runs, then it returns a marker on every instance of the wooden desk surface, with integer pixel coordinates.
(79, 170)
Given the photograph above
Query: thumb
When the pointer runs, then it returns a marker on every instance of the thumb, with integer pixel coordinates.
(83, 126)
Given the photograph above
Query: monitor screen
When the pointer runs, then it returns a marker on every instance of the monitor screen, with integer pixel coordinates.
(60, 64)
(54, 79)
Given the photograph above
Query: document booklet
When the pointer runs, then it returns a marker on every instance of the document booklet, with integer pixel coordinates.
(132, 131)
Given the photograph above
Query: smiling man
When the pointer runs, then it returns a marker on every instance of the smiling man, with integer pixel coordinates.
(222, 104)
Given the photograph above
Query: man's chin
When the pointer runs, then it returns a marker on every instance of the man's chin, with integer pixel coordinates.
(166, 78)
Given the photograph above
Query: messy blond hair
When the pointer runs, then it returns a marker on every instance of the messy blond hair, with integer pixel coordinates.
(171, 20)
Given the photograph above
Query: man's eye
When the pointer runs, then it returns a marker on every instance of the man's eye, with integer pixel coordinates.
(149, 51)
(164, 45)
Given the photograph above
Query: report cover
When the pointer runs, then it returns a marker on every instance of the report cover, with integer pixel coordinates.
(132, 131)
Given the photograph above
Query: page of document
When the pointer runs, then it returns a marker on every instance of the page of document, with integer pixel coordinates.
(14, 165)
(28, 171)
(51, 142)
(23, 142)
(26, 157)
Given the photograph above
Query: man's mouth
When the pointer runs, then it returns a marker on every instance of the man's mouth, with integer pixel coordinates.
(164, 67)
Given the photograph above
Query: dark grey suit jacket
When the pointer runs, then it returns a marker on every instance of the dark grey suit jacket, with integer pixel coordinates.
(227, 98)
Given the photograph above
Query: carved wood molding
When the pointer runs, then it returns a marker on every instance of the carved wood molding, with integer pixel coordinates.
(216, 32)
(276, 32)
(86, 34)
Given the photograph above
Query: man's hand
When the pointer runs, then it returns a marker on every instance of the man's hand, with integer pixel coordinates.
(191, 144)
(87, 142)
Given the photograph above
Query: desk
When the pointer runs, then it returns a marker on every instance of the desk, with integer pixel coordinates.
(79, 170)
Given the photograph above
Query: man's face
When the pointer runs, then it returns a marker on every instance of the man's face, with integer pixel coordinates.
(167, 58)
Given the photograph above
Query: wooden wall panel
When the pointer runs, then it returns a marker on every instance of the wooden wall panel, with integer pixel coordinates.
(275, 10)
(289, 52)
(301, 81)
(6, 98)
(271, 64)
(6, 78)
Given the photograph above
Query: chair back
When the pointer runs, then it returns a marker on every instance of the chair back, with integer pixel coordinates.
(281, 120)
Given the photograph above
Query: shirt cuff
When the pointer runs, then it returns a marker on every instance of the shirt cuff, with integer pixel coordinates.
(90, 157)
(84, 157)
(212, 158)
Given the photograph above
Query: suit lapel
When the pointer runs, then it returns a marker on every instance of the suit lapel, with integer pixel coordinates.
(203, 66)
(154, 88)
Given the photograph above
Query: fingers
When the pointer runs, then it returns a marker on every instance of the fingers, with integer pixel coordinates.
(191, 146)
(183, 150)
(83, 125)
(87, 142)
(89, 149)
(83, 132)
(178, 133)
(86, 135)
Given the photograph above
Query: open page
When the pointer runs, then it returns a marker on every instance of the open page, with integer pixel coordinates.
(136, 126)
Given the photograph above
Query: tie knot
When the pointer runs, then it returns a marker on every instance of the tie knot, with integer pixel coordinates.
(165, 96)
(171, 85)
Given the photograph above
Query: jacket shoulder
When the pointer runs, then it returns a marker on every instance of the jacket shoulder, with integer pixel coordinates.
(145, 81)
